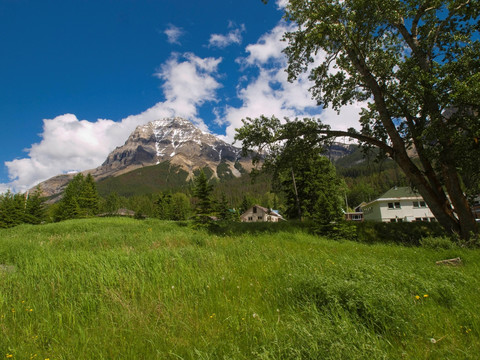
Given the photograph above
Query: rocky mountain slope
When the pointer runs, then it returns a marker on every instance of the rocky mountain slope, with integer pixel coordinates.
(173, 140)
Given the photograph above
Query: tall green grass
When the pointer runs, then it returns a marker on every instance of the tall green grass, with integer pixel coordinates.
(125, 289)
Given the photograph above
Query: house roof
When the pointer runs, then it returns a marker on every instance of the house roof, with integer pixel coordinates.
(400, 192)
(266, 211)
(397, 193)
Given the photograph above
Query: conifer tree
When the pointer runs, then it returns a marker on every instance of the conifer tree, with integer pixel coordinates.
(202, 190)
(35, 211)
(88, 199)
(80, 199)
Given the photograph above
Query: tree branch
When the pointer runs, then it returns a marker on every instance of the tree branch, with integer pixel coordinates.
(364, 138)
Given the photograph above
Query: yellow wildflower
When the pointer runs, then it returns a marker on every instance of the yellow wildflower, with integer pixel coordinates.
(417, 297)
(425, 296)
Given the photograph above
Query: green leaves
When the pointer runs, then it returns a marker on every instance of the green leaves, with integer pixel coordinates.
(416, 64)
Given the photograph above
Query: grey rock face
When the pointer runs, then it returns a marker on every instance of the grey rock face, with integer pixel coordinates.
(176, 140)
(173, 139)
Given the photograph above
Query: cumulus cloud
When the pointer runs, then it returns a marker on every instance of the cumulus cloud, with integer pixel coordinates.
(233, 37)
(270, 93)
(282, 4)
(69, 144)
(174, 34)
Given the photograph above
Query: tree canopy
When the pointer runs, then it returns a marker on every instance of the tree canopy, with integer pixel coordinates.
(416, 66)
(80, 199)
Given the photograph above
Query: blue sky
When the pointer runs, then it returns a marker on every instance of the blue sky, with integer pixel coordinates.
(78, 76)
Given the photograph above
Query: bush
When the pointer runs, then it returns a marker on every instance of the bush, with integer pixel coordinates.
(338, 230)
(437, 242)
(399, 233)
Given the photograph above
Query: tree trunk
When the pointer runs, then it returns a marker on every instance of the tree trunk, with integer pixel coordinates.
(297, 200)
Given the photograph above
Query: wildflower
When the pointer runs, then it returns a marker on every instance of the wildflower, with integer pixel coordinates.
(255, 315)
(212, 316)
(433, 341)
(13, 310)
(425, 296)
(9, 355)
(417, 297)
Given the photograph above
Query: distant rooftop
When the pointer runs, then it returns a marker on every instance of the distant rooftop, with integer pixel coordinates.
(400, 192)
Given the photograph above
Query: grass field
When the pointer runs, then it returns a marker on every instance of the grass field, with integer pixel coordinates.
(125, 289)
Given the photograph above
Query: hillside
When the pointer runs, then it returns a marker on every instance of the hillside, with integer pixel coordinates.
(146, 180)
(127, 289)
(174, 141)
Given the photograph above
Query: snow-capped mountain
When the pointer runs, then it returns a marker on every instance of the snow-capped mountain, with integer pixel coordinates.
(175, 140)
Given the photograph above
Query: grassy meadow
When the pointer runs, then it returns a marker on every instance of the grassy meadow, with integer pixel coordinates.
(115, 288)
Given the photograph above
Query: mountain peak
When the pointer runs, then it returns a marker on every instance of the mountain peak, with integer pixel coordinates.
(174, 140)
(177, 141)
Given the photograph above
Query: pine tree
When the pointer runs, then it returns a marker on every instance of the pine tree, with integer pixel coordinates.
(88, 199)
(35, 211)
(223, 211)
(202, 190)
(180, 207)
(12, 209)
(112, 203)
(80, 199)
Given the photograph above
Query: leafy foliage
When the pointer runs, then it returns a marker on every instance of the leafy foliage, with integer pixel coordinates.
(416, 65)
(292, 153)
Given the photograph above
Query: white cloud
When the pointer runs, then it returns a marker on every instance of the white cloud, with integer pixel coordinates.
(269, 47)
(69, 144)
(233, 37)
(282, 4)
(173, 34)
(270, 93)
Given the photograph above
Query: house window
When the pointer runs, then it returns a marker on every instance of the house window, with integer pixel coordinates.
(418, 219)
(250, 218)
(400, 220)
(425, 219)
(416, 204)
(395, 205)
(423, 204)
(393, 220)
(254, 210)
(260, 218)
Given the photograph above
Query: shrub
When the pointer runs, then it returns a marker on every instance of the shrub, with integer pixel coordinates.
(400, 233)
(437, 242)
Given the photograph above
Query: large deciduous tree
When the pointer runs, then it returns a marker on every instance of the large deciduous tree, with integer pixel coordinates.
(417, 65)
